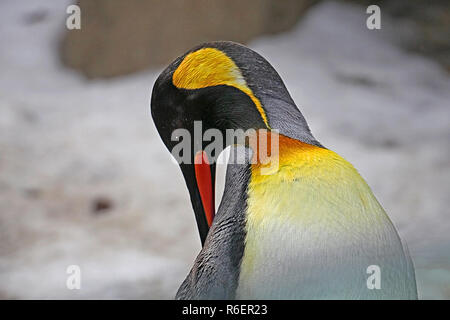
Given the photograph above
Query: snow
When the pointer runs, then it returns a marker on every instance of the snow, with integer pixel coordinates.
(66, 141)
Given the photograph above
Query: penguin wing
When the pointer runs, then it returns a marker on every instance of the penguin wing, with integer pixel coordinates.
(216, 270)
(215, 273)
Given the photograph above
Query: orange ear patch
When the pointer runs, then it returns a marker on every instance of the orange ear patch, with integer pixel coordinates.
(209, 67)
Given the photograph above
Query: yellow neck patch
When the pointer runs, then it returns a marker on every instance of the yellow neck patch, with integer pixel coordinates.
(209, 67)
(319, 173)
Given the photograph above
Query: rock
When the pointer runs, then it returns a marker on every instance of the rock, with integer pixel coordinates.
(121, 37)
(101, 205)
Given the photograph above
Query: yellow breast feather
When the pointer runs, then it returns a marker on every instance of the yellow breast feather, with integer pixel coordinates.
(318, 176)
(313, 218)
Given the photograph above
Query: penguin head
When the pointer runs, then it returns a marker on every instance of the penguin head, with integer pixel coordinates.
(222, 85)
(226, 86)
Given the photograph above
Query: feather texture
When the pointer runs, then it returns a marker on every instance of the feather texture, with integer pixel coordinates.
(313, 228)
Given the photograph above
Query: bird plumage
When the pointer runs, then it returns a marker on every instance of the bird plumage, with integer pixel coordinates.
(311, 228)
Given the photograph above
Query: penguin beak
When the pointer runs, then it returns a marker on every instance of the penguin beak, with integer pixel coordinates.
(200, 180)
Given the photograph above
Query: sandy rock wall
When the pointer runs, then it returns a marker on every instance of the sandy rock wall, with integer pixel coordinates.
(121, 37)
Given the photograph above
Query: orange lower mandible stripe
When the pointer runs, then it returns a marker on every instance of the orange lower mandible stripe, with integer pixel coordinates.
(204, 184)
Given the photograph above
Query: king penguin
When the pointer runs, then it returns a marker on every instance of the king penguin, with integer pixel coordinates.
(310, 230)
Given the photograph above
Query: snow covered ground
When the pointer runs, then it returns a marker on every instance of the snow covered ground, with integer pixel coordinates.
(66, 142)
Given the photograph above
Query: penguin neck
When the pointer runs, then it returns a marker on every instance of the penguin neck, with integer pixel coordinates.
(288, 120)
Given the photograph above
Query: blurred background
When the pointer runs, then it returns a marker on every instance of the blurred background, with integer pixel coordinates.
(85, 179)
